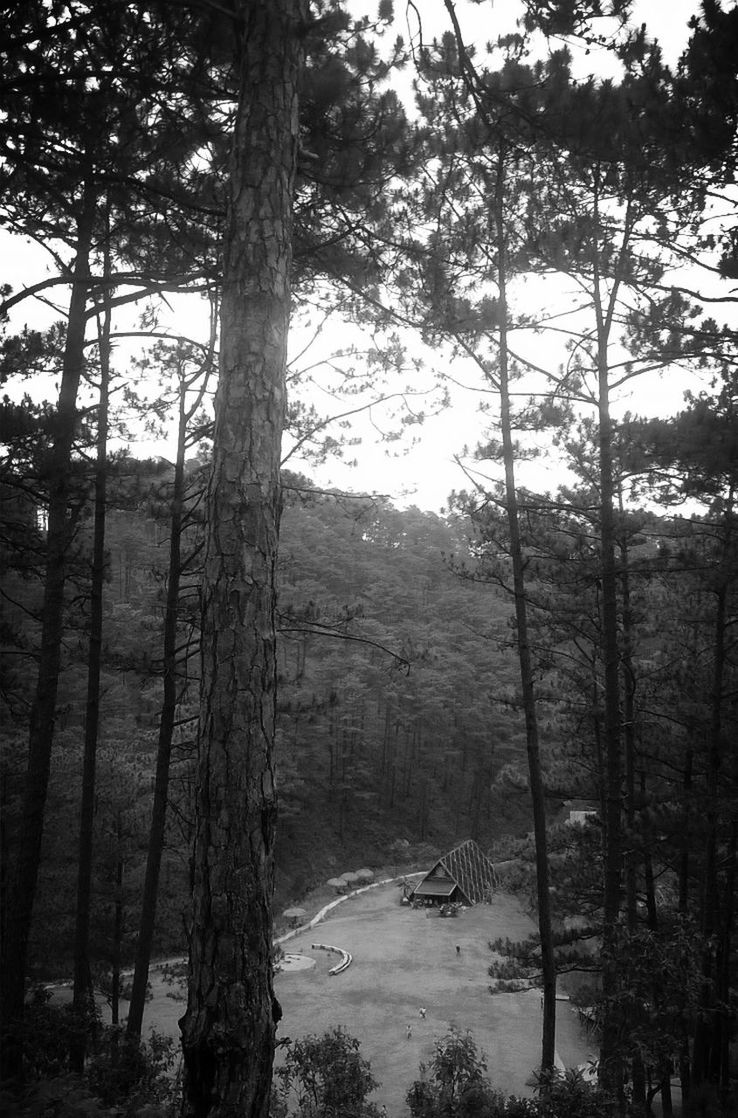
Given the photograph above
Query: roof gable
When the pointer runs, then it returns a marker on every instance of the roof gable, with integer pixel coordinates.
(468, 868)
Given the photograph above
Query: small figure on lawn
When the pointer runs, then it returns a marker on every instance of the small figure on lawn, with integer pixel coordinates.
(421, 1011)
(458, 949)
(409, 1031)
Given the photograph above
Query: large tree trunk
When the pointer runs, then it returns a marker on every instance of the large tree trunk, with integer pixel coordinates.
(22, 893)
(229, 1028)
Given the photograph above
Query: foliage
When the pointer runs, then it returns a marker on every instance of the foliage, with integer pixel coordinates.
(49, 1032)
(119, 1075)
(569, 1095)
(454, 1083)
(660, 984)
(324, 1077)
(130, 1074)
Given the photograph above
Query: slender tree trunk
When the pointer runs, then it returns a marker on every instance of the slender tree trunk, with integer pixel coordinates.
(548, 961)
(229, 1027)
(706, 1046)
(83, 996)
(22, 892)
(724, 967)
(638, 1103)
(629, 735)
(164, 745)
(610, 1064)
(611, 1070)
(117, 925)
(686, 825)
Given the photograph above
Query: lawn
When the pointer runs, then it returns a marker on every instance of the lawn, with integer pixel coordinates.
(406, 959)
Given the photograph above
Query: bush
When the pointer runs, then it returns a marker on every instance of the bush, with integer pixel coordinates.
(63, 1096)
(129, 1075)
(454, 1084)
(324, 1075)
(49, 1033)
(569, 1095)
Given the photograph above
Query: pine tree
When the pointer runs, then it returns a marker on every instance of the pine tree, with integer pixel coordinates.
(228, 1030)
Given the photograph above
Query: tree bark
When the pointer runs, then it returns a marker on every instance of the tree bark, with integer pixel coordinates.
(537, 792)
(22, 892)
(229, 1027)
(83, 997)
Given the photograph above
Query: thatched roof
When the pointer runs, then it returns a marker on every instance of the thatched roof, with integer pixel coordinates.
(465, 867)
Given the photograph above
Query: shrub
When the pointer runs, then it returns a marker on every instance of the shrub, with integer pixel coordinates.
(324, 1075)
(454, 1084)
(127, 1074)
(49, 1034)
(569, 1095)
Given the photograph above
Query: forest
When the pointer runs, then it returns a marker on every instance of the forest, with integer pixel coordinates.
(223, 681)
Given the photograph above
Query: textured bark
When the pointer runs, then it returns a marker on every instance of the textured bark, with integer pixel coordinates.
(228, 1030)
(22, 892)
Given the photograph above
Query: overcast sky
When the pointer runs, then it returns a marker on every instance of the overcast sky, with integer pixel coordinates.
(425, 474)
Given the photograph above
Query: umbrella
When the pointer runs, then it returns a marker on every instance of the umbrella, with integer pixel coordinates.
(365, 874)
(336, 883)
(294, 913)
(351, 878)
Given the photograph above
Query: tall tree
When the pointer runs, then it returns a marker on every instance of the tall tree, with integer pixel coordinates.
(229, 1028)
(484, 133)
(191, 369)
(83, 994)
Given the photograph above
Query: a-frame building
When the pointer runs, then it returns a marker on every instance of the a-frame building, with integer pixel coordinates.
(464, 875)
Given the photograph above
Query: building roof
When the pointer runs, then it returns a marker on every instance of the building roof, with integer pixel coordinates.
(435, 887)
(581, 805)
(466, 867)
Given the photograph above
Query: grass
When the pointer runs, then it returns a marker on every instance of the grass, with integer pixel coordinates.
(405, 959)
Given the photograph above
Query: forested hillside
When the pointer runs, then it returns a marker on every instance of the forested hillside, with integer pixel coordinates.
(396, 714)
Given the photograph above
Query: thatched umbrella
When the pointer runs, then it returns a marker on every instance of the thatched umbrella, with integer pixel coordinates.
(351, 878)
(365, 874)
(336, 883)
(294, 915)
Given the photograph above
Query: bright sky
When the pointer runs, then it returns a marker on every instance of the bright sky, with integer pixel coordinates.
(425, 473)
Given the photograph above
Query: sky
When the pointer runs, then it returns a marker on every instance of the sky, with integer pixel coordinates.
(426, 472)
(422, 467)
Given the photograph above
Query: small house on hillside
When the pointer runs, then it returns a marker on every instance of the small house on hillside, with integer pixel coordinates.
(579, 811)
(464, 875)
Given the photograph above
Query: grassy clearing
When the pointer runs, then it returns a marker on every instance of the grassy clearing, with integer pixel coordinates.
(405, 960)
